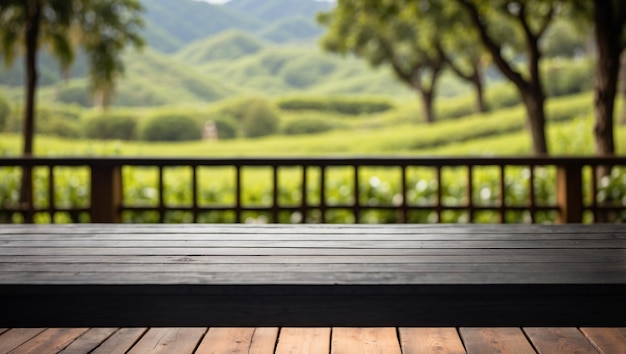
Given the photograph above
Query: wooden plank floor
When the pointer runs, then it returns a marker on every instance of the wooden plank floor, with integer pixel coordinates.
(313, 340)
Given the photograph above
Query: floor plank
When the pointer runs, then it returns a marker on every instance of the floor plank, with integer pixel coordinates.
(264, 340)
(607, 340)
(495, 340)
(89, 341)
(121, 341)
(226, 340)
(430, 340)
(314, 340)
(50, 341)
(169, 340)
(15, 337)
(559, 340)
(365, 341)
(303, 341)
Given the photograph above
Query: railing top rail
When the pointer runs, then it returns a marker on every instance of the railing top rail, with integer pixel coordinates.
(313, 161)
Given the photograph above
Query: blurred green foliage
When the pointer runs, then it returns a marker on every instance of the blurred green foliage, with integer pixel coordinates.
(109, 126)
(307, 125)
(259, 118)
(5, 110)
(342, 105)
(171, 127)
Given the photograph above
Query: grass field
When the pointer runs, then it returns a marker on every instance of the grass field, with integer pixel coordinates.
(501, 132)
(394, 133)
(565, 138)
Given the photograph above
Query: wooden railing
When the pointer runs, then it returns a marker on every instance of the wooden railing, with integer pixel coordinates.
(579, 186)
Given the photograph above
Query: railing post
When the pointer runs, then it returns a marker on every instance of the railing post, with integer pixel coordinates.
(106, 193)
(569, 187)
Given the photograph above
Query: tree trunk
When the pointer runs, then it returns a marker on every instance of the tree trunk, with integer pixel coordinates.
(428, 106)
(479, 87)
(475, 78)
(32, 37)
(607, 34)
(530, 89)
(534, 102)
(622, 83)
(428, 93)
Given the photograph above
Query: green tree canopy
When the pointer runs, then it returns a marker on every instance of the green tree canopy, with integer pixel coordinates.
(106, 28)
(101, 27)
(386, 33)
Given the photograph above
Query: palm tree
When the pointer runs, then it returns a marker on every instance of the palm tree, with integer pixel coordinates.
(102, 27)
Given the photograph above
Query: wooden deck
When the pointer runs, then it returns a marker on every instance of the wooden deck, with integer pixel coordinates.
(313, 340)
(312, 276)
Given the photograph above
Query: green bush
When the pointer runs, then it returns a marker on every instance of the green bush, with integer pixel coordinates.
(303, 74)
(111, 126)
(226, 127)
(235, 108)
(350, 106)
(45, 116)
(14, 121)
(307, 125)
(254, 116)
(259, 119)
(5, 111)
(502, 96)
(566, 77)
(491, 124)
(76, 93)
(449, 108)
(569, 108)
(59, 120)
(171, 127)
(61, 127)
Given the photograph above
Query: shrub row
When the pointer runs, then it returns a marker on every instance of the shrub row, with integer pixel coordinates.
(252, 117)
(348, 106)
(491, 124)
(249, 117)
(560, 78)
(566, 77)
(307, 125)
(111, 126)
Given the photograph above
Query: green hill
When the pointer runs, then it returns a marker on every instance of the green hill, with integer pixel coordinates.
(279, 70)
(229, 45)
(168, 80)
(171, 24)
(292, 30)
(151, 79)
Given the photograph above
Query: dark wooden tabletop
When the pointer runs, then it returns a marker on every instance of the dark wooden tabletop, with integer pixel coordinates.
(309, 275)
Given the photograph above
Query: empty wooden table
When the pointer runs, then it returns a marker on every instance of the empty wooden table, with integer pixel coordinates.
(119, 275)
